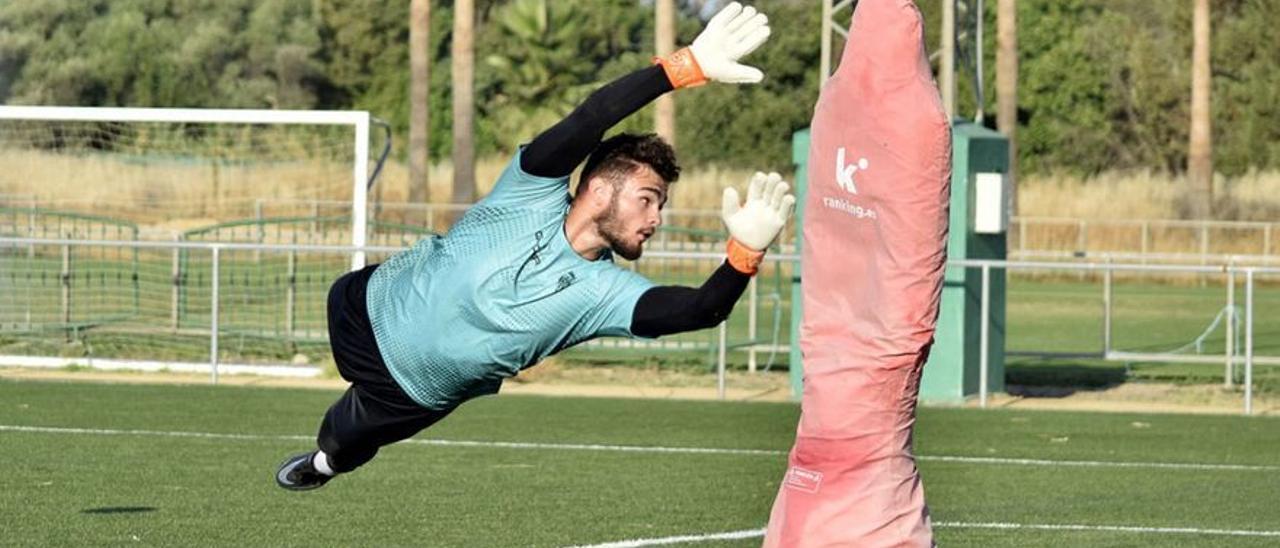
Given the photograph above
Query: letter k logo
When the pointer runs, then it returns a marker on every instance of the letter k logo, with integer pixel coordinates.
(844, 174)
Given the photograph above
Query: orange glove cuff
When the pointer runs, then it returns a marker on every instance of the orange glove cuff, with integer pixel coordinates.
(682, 69)
(744, 259)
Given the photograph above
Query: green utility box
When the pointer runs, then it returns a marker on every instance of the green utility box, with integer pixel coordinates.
(799, 155)
(978, 228)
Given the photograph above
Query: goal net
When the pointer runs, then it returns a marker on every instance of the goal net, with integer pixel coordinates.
(195, 175)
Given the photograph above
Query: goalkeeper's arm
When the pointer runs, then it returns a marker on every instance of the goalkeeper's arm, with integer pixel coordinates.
(558, 150)
(672, 309)
(733, 33)
(753, 226)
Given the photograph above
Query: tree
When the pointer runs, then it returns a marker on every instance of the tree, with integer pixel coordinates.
(1007, 85)
(162, 53)
(1246, 88)
(526, 89)
(947, 58)
(1064, 86)
(664, 118)
(1102, 85)
(366, 48)
(752, 126)
(419, 93)
(283, 42)
(463, 50)
(1200, 150)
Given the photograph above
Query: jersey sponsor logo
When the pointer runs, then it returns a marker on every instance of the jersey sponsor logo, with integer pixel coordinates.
(846, 180)
(852, 209)
(565, 281)
(535, 259)
(800, 479)
(845, 173)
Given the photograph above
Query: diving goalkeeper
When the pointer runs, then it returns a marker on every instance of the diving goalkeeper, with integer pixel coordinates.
(528, 271)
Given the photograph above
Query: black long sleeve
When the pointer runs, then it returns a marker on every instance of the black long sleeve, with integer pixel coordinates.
(674, 309)
(559, 149)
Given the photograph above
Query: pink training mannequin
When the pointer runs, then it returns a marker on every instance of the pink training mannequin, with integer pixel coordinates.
(875, 229)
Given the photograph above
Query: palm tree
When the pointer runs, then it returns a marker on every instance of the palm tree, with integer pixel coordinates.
(1200, 153)
(541, 81)
(947, 58)
(463, 52)
(1007, 86)
(419, 93)
(664, 118)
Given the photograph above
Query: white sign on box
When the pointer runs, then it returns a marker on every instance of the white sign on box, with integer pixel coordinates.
(990, 210)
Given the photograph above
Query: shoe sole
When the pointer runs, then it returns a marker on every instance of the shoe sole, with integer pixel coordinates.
(282, 474)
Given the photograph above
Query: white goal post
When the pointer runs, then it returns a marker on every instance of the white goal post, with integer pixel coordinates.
(358, 120)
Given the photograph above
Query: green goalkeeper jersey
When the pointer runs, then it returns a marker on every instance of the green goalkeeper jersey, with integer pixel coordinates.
(456, 314)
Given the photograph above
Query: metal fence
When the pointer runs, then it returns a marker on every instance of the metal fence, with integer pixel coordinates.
(248, 307)
(1199, 238)
(154, 301)
(1196, 241)
(1234, 355)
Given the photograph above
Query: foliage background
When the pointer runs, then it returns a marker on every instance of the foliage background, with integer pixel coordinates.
(1104, 84)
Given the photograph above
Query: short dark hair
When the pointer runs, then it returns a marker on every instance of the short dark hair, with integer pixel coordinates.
(623, 153)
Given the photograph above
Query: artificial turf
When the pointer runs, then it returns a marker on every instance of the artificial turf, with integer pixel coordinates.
(117, 464)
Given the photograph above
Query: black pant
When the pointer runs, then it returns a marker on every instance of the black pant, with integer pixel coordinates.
(374, 411)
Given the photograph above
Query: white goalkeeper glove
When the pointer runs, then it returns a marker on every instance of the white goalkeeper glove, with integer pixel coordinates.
(733, 33)
(754, 225)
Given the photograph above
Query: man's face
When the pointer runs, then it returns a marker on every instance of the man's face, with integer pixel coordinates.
(634, 212)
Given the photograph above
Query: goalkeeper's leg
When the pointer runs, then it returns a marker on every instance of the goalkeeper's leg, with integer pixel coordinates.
(354, 429)
(372, 413)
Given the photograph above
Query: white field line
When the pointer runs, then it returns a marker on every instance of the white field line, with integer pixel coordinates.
(754, 533)
(1108, 528)
(732, 535)
(1100, 463)
(299, 371)
(647, 449)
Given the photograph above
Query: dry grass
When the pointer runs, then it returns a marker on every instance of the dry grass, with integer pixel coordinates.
(697, 188)
(1145, 195)
(164, 196)
(1103, 214)
(173, 195)
(170, 194)
(1109, 196)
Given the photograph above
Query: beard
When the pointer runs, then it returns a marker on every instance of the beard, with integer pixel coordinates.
(614, 233)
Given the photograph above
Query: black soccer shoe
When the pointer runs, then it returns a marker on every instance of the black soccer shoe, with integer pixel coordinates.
(299, 474)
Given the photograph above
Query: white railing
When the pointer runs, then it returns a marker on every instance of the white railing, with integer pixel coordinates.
(1191, 241)
(1143, 236)
(216, 252)
(1232, 358)
(1108, 270)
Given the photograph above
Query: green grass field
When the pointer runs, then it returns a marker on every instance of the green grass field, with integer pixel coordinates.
(107, 465)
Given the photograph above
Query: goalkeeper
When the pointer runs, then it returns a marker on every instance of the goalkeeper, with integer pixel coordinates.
(527, 271)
